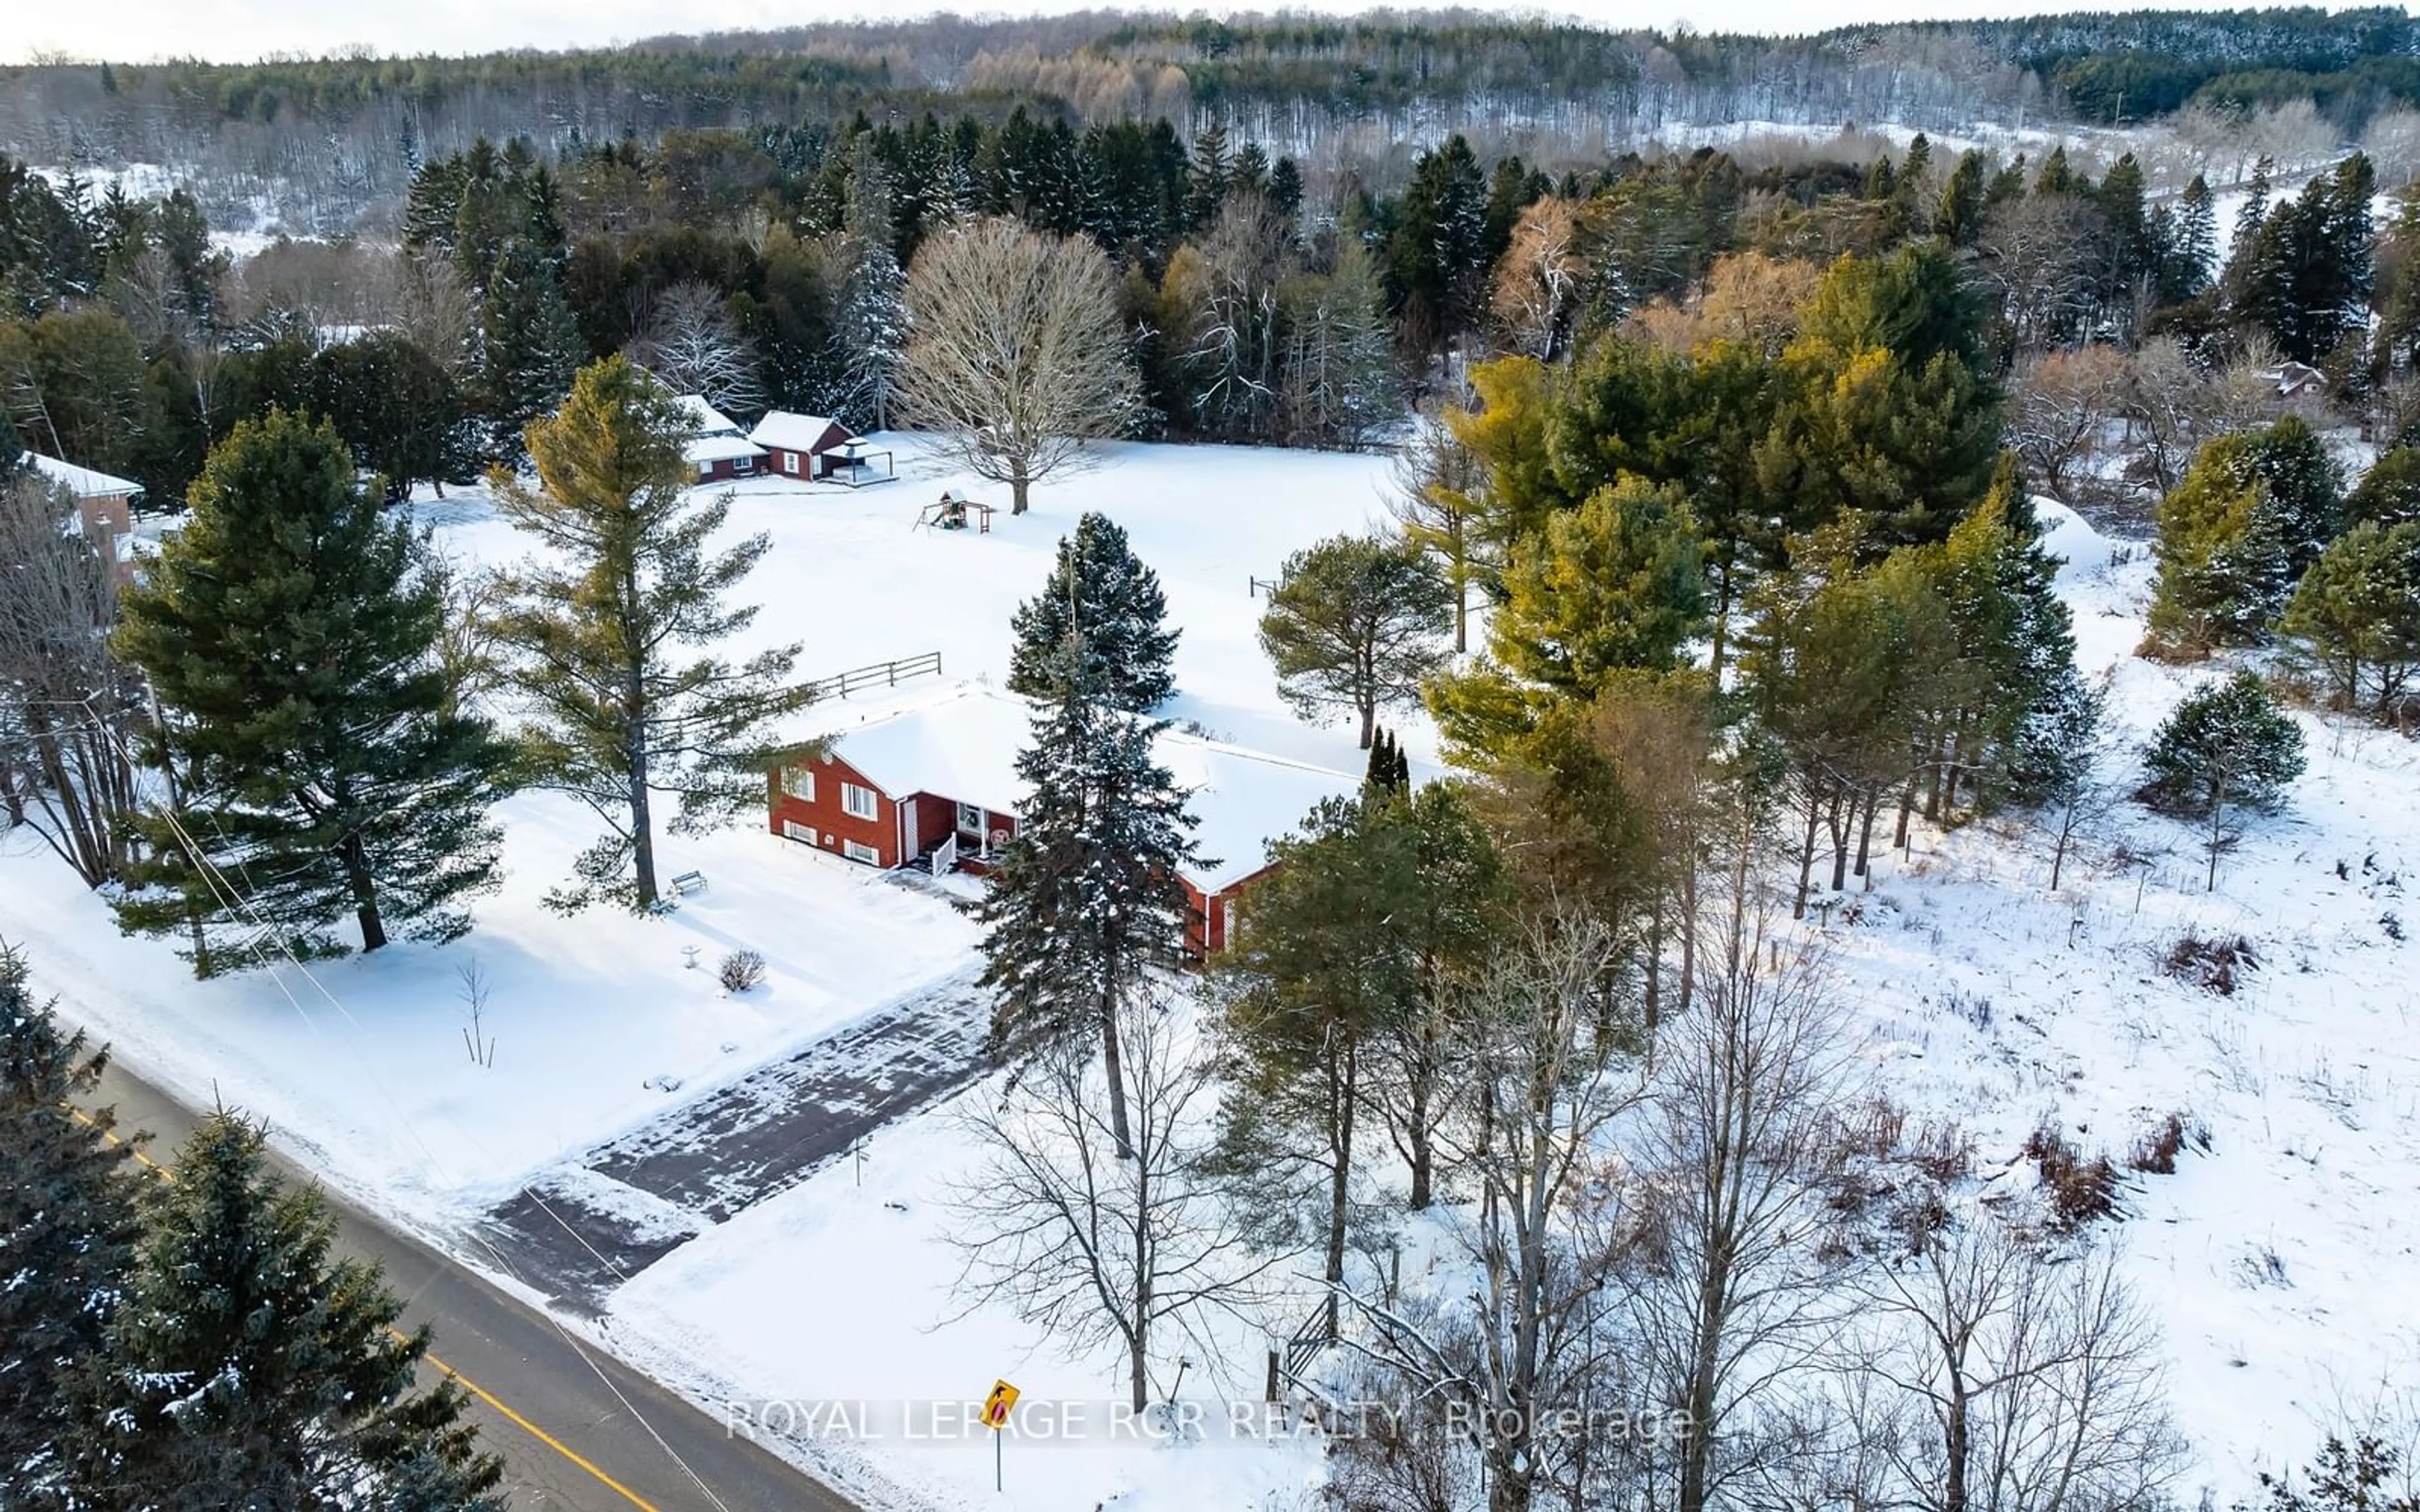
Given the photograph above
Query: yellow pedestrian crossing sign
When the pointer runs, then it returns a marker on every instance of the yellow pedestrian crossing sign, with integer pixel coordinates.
(996, 1406)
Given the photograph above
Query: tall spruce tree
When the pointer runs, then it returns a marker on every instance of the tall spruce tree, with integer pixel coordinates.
(615, 632)
(870, 322)
(1087, 892)
(1101, 594)
(529, 343)
(289, 630)
(67, 1240)
(248, 1368)
(1436, 258)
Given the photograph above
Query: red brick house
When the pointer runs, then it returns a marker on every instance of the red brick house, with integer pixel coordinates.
(104, 503)
(801, 446)
(934, 784)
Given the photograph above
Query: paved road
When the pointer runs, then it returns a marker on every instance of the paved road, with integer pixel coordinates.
(733, 1148)
(579, 1432)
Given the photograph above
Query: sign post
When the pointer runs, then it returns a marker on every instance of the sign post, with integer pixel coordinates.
(995, 1416)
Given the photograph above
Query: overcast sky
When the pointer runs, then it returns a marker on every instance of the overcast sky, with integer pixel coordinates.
(244, 29)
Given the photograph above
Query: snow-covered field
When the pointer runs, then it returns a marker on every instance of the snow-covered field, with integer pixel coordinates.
(2280, 1263)
(363, 1064)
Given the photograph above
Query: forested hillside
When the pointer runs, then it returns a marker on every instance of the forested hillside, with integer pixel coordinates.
(317, 144)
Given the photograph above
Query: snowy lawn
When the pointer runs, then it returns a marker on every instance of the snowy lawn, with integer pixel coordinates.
(372, 1079)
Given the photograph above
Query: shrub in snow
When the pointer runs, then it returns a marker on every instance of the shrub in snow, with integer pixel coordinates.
(2156, 1152)
(2079, 1189)
(2215, 965)
(740, 970)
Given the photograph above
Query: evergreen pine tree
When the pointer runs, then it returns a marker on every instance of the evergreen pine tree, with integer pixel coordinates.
(431, 205)
(2254, 213)
(1088, 892)
(289, 631)
(2225, 748)
(1212, 171)
(2355, 616)
(67, 1240)
(530, 345)
(2389, 492)
(2187, 268)
(1355, 626)
(1613, 585)
(2252, 515)
(1960, 214)
(1915, 171)
(247, 1367)
(2130, 250)
(870, 320)
(1285, 190)
(618, 626)
(1100, 592)
(1435, 258)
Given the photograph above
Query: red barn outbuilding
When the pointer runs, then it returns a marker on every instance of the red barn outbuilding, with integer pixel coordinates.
(934, 784)
(801, 446)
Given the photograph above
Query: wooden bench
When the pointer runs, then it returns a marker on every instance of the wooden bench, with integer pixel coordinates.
(685, 883)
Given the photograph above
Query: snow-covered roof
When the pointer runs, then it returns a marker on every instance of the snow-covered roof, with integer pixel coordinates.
(704, 449)
(791, 433)
(962, 744)
(83, 482)
(709, 420)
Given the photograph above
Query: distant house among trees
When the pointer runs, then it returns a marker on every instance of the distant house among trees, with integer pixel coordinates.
(718, 450)
(802, 446)
(935, 786)
(104, 503)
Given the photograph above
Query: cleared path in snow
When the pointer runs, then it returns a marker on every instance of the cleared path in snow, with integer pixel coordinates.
(591, 1224)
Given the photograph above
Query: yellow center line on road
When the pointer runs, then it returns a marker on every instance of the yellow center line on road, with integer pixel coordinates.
(448, 1371)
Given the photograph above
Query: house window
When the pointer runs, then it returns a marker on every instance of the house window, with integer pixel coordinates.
(856, 852)
(799, 783)
(705, 470)
(1226, 934)
(970, 817)
(745, 464)
(857, 802)
(792, 829)
(790, 462)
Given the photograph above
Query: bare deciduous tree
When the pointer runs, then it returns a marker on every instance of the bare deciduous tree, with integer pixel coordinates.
(1015, 352)
(1537, 291)
(1731, 1154)
(2036, 1378)
(1545, 1062)
(67, 711)
(2061, 403)
(1098, 1248)
(691, 347)
(2166, 410)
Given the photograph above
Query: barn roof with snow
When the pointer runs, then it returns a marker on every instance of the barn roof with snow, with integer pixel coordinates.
(85, 483)
(963, 743)
(717, 438)
(792, 432)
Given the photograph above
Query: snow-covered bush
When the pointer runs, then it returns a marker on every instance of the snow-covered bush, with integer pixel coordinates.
(740, 970)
